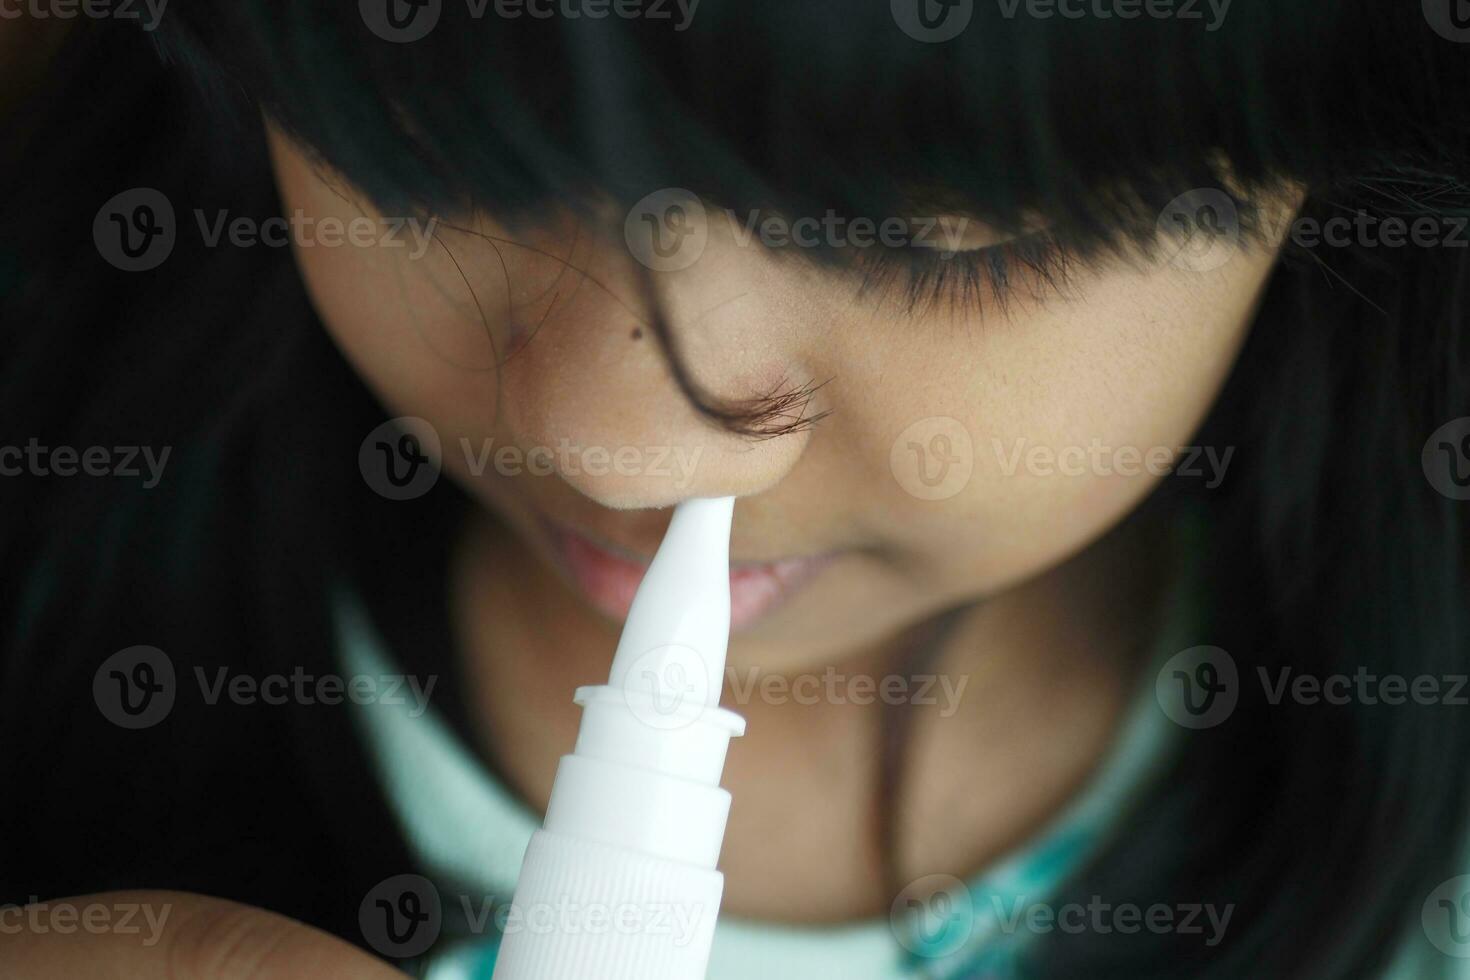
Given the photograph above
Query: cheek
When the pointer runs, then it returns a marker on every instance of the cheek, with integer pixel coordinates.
(413, 337)
(1073, 412)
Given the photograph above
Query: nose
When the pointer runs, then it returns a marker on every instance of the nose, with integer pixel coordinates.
(599, 386)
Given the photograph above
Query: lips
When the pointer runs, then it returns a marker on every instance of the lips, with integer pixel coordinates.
(609, 577)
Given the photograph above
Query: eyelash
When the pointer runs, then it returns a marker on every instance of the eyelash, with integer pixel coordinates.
(969, 281)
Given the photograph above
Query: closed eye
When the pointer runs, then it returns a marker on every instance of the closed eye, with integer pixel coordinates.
(922, 279)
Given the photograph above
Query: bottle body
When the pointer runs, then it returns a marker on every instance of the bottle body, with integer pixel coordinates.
(620, 882)
(590, 911)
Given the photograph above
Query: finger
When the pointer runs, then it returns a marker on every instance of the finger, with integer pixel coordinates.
(148, 935)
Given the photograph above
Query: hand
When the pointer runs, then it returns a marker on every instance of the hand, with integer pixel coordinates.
(181, 937)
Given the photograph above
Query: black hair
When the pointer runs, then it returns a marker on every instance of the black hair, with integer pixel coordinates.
(1325, 549)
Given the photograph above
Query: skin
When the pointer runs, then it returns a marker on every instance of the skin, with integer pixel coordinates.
(545, 337)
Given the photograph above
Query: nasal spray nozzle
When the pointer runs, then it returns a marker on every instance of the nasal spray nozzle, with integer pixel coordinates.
(637, 815)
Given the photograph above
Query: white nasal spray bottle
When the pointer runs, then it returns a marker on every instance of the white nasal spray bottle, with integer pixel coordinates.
(620, 882)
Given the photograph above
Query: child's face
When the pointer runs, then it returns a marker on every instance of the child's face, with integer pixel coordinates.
(961, 453)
